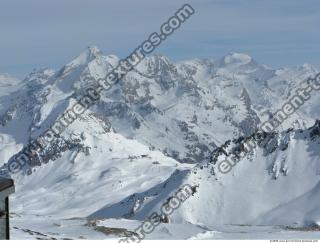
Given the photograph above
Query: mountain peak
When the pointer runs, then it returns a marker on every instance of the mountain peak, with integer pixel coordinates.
(85, 57)
(308, 67)
(236, 59)
(94, 51)
(158, 58)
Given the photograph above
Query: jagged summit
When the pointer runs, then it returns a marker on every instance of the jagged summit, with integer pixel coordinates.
(308, 67)
(85, 57)
(93, 50)
(236, 59)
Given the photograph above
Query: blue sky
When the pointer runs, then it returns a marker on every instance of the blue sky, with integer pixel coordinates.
(49, 33)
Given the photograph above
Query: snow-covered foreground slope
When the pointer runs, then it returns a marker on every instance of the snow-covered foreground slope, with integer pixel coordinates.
(154, 131)
(262, 189)
(104, 169)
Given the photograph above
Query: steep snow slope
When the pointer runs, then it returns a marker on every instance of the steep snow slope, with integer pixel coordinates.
(259, 184)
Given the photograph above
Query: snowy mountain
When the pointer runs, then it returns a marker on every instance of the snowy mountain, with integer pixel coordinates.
(157, 129)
